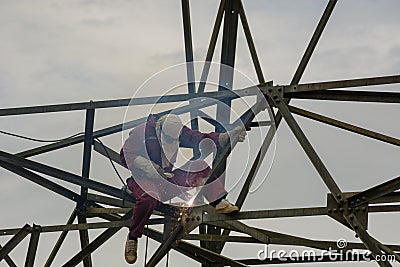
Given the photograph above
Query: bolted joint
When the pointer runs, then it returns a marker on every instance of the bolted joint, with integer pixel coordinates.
(36, 228)
(275, 93)
(364, 209)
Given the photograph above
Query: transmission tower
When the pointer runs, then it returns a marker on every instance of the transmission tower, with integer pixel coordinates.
(351, 209)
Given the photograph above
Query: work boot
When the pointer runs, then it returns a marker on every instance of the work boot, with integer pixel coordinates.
(225, 207)
(131, 250)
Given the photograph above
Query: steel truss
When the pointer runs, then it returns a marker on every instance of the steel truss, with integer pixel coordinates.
(350, 209)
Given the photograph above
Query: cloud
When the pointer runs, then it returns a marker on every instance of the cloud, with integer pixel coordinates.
(64, 51)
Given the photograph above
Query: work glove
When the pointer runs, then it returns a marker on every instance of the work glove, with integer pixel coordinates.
(238, 131)
(150, 169)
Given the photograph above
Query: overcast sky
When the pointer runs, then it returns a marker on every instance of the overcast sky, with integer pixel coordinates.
(72, 51)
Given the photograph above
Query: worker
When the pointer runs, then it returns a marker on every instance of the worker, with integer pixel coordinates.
(150, 152)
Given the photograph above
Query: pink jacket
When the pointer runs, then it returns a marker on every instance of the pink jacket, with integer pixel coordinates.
(143, 141)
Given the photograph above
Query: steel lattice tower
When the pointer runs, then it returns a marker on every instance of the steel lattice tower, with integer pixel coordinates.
(351, 209)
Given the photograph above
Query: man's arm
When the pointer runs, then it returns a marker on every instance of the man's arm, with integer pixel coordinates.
(191, 138)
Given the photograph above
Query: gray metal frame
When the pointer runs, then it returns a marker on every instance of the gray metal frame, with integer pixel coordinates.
(349, 209)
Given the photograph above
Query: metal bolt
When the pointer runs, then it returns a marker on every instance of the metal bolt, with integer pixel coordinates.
(329, 210)
(350, 209)
(341, 210)
(187, 219)
(364, 198)
(335, 210)
(339, 196)
(198, 218)
(364, 209)
(193, 218)
(351, 217)
(352, 203)
(357, 209)
(356, 226)
(358, 200)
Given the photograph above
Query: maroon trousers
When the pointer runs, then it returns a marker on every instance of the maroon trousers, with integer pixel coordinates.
(145, 203)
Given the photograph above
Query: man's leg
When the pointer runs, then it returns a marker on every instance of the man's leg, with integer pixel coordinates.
(142, 211)
(144, 207)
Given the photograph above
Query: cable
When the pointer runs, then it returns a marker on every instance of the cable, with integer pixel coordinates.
(112, 163)
(40, 140)
(147, 245)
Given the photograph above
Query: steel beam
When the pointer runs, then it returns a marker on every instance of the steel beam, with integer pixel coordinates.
(313, 42)
(262, 214)
(107, 152)
(111, 201)
(82, 205)
(196, 253)
(60, 241)
(311, 153)
(250, 44)
(368, 241)
(8, 260)
(211, 47)
(102, 104)
(384, 208)
(228, 53)
(96, 243)
(251, 231)
(165, 246)
(342, 95)
(345, 126)
(375, 192)
(211, 100)
(226, 73)
(84, 226)
(342, 84)
(221, 238)
(31, 176)
(389, 198)
(33, 245)
(187, 33)
(14, 241)
(72, 178)
(63, 175)
(270, 237)
(290, 241)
